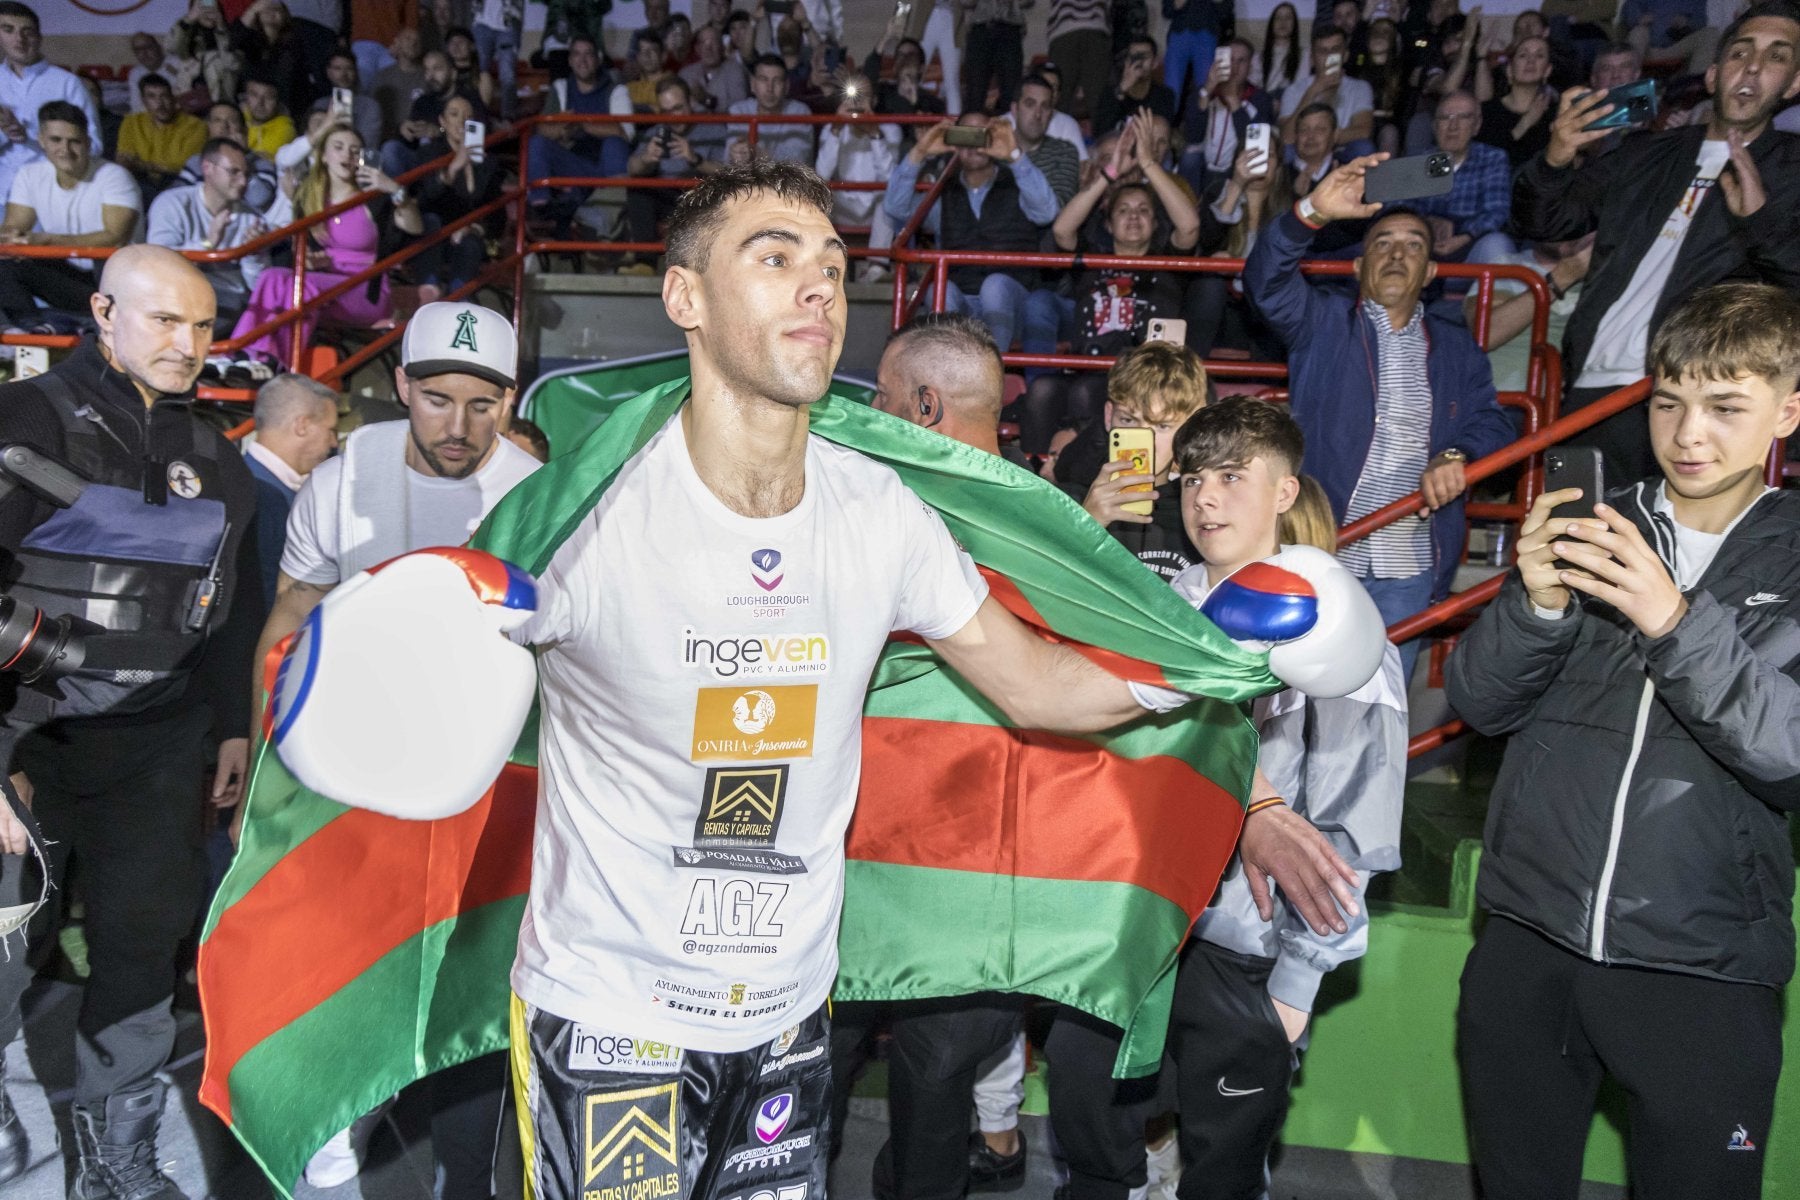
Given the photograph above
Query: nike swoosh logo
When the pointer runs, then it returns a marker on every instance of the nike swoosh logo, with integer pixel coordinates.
(1231, 1091)
(1753, 601)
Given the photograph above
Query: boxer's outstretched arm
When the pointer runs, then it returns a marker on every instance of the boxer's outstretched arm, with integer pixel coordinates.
(1037, 684)
(294, 602)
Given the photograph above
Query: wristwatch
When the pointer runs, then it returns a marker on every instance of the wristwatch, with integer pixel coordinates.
(1018, 152)
(1454, 455)
(398, 196)
(1309, 213)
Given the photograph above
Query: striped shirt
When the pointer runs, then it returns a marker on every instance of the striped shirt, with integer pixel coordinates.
(1072, 16)
(1397, 454)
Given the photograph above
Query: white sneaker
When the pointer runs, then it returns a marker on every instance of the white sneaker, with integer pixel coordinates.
(340, 1160)
(1165, 1169)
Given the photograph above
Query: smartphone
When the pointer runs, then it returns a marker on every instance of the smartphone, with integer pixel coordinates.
(475, 138)
(372, 159)
(966, 135)
(1334, 63)
(1167, 329)
(1258, 142)
(1633, 104)
(1409, 178)
(342, 101)
(1222, 58)
(1575, 467)
(1139, 445)
(903, 10)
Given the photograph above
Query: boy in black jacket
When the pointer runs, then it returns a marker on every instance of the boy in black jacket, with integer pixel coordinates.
(1637, 858)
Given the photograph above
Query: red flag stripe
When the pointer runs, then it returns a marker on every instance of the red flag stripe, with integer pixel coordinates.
(1069, 812)
(352, 892)
(1008, 594)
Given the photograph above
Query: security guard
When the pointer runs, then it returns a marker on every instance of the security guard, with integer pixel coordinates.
(150, 556)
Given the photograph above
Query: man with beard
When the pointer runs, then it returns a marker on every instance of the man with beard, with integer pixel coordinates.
(401, 486)
(1675, 211)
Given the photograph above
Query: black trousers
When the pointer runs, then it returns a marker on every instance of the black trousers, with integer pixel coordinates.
(1228, 1069)
(934, 1060)
(644, 207)
(1624, 438)
(125, 800)
(1539, 1025)
(995, 50)
(24, 281)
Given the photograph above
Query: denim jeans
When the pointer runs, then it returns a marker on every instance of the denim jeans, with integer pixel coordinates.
(547, 159)
(501, 44)
(1397, 599)
(1008, 308)
(1190, 51)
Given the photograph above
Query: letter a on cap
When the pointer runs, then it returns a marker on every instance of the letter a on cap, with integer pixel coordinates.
(465, 333)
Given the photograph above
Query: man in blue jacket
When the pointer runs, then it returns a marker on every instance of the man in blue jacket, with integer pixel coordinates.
(1392, 400)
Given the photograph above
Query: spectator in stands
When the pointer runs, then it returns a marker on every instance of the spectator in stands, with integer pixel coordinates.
(589, 148)
(212, 215)
(1285, 56)
(225, 121)
(1637, 860)
(656, 16)
(401, 154)
(860, 152)
(1393, 399)
(662, 152)
(202, 36)
(1661, 236)
(1383, 69)
(717, 80)
(1519, 121)
(1155, 386)
(645, 70)
(1195, 29)
(678, 42)
(1352, 101)
(155, 144)
(68, 197)
(1113, 306)
(452, 192)
(1030, 118)
(999, 200)
(1313, 155)
(567, 20)
(1667, 21)
(1224, 107)
(365, 111)
(27, 83)
(1135, 85)
(769, 88)
(296, 430)
(740, 38)
(147, 49)
(268, 128)
(1246, 204)
(338, 249)
(529, 436)
(1616, 65)
(499, 27)
(1563, 265)
(1468, 222)
(1451, 66)
(265, 38)
(993, 49)
(395, 85)
(1062, 125)
(1080, 40)
(905, 93)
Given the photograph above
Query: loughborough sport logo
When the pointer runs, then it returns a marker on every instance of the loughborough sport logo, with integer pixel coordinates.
(763, 567)
(772, 1116)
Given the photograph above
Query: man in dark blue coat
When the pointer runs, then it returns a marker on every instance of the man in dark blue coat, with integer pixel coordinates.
(1393, 400)
(296, 430)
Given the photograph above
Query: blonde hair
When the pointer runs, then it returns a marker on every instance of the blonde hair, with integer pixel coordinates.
(1158, 381)
(1310, 521)
(314, 192)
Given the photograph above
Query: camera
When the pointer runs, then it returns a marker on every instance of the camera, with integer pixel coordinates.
(36, 647)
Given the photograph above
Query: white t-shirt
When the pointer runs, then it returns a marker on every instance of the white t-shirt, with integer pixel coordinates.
(702, 680)
(1621, 346)
(1353, 96)
(437, 512)
(76, 209)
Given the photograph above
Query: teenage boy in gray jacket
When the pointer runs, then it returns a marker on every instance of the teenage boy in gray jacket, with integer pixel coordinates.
(1637, 861)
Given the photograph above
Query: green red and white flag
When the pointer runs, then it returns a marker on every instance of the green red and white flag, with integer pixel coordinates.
(348, 954)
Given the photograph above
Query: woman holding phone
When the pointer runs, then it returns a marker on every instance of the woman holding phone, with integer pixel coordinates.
(1217, 312)
(453, 191)
(338, 248)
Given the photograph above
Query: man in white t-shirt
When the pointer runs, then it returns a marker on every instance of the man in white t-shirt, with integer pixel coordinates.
(27, 83)
(1351, 99)
(705, 639)
(70, 197)
(401, 486)
(1674, 211)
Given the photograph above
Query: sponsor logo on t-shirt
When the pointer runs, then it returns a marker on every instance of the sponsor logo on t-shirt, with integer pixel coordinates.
(735, 724)
(776, 654)
(732, 908)
(776, 1154)
(731, 1002)
(789, 1060)
(602, 1050)
(772, 1117)
(784, 1041)
(631, 1144)
(765, 569)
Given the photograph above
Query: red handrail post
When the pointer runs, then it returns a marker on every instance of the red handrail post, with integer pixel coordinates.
(294, 348)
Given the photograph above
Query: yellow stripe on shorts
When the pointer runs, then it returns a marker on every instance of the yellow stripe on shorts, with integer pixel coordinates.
(524, 1090)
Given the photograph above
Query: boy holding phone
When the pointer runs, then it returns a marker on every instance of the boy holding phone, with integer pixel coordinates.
(1640, 817)
(1244, 984)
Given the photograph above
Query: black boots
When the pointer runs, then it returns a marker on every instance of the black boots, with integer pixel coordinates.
(118, 1148)
(15, 1146)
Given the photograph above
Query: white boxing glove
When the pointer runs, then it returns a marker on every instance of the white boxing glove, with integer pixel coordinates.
(401, 693)
(1323, 633)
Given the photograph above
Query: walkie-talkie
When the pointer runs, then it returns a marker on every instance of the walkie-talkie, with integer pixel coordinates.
(208, 588)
